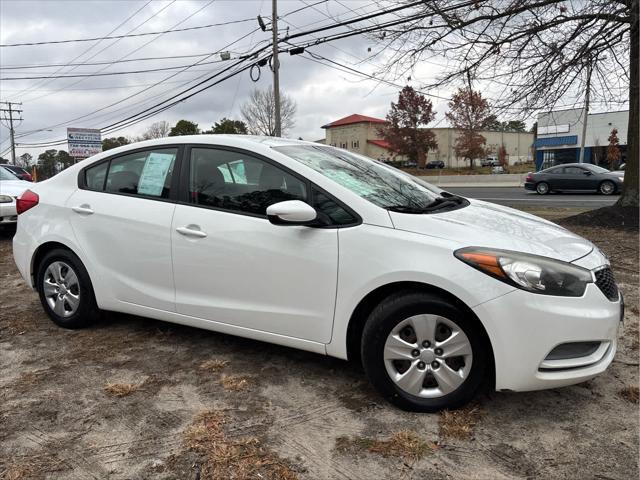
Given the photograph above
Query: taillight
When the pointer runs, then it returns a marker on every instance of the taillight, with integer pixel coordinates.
(529, 177)
(26, 200)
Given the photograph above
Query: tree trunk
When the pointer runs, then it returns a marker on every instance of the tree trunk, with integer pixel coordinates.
(422, 159)
(631, 192)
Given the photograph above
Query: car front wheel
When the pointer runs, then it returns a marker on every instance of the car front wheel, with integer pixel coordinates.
(607, 188)
(423, 353)
(65, 290)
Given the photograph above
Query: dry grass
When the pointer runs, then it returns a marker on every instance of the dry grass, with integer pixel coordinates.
(234, 383)
(16, 472)
(403, 444)
(120, 389)
(226, 458)
(38, 467)
(459, 424)
(214, 365)
(29, 378)
(630, 393)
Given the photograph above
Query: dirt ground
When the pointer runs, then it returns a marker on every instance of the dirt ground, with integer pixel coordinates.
(133, 398)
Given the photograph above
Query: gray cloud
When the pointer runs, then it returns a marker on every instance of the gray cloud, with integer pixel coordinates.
(322, 94)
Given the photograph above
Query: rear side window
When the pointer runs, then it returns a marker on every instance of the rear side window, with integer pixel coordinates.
(94, 177)
(147, 173)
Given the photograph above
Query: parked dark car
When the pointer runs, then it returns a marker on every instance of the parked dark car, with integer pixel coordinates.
(575, 176)
(435, 164)
(19, 172)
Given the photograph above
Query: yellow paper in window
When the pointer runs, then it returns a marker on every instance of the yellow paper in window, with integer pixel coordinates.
(154, 173)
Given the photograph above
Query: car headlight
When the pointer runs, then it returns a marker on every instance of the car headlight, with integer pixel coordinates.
(532, 273)
(6, 199)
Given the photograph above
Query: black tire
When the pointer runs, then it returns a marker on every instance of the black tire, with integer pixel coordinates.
(393, 310)
(86, 312)
(543, 188)
(607, 187)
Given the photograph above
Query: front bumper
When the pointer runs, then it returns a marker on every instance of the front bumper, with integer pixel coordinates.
(524, 328)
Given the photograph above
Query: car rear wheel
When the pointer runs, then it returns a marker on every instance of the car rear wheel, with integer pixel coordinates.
(423, 353)
(65, 290)
(607, 188)
(542, 188)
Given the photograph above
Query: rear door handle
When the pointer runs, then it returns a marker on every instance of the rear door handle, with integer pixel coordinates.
(191, 231)
(83, 209)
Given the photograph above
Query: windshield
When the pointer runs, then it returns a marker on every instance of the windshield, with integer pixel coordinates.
(597, 169)
(380, 184)
(7, 175)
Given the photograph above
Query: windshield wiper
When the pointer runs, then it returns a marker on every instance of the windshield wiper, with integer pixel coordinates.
(447, 200)
(404, 209)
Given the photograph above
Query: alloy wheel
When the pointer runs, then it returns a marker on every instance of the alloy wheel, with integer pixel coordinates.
(428, 356)
(607, 188)
(61, 289)
(542, 188)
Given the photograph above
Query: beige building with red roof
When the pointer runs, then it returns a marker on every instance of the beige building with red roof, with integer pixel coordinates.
(360, 134)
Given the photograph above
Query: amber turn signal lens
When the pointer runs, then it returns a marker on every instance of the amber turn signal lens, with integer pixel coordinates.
(484, 261)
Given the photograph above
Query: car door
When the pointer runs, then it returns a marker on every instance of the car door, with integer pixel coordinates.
(121, 216)
(575, 178)
(232, 265)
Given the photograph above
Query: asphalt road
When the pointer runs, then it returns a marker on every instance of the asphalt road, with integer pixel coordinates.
(519, 197)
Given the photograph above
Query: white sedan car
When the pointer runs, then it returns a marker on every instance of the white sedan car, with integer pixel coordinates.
(10, 188)
(317, 248)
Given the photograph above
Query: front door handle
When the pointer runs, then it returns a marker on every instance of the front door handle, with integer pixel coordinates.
(191, 231)
(83, 209)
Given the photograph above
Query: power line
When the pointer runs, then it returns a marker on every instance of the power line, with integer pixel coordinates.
(145, 89)
(161, 81)
(91, 47)
(105, 62)
(159, 107)
(112, 37)
(130, 72)
(145, 44)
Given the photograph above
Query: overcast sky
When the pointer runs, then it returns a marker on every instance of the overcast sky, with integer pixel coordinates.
(322, 94)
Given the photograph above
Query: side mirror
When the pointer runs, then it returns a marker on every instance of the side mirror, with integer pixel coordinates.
(587, 173)
(291, 212)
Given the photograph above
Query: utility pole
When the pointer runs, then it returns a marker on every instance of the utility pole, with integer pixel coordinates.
(276, 66)
(11, 110)
(586, 112)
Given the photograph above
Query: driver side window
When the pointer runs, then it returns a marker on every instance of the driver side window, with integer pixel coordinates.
(239, 182)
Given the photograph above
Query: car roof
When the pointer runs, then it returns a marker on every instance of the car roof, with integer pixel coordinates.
(249, 142)
(227, 139)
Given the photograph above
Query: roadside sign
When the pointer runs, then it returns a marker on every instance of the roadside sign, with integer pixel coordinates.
(83, 142)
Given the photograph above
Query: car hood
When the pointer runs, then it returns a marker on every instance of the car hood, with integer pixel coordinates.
(13, 187)
(484, 224)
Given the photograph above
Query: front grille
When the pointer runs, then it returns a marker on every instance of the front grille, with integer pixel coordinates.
(607, 283)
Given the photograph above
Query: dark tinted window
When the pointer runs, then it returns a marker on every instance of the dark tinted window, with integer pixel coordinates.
(94, 176)
(239, 182)
(337, 215)
(573, 171)
(146, 173)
